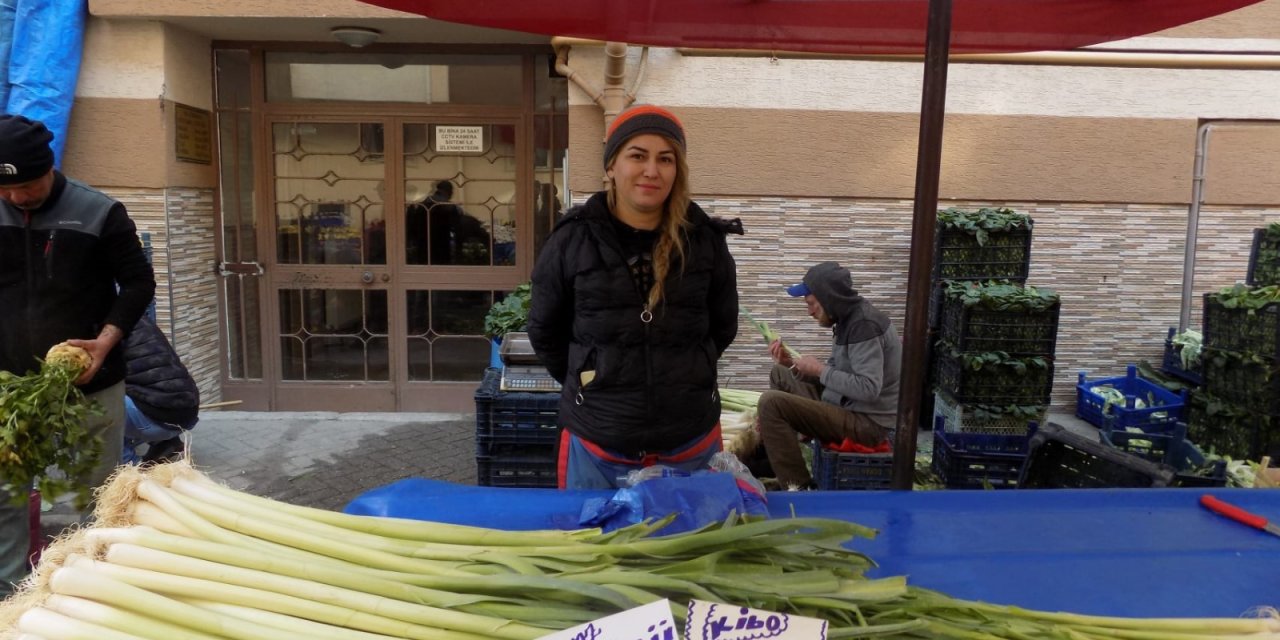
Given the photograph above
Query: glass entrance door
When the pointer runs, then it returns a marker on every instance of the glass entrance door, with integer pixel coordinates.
(380, 293)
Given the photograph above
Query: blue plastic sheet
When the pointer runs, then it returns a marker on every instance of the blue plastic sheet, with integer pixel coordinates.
(8, 10)
(44, 63)
(696, 501)
(1124, 552)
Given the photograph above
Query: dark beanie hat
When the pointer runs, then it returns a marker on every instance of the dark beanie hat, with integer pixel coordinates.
(638, 120)
(25, 153)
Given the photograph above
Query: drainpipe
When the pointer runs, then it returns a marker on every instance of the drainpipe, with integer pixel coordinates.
(613, 98)
(1193, 212)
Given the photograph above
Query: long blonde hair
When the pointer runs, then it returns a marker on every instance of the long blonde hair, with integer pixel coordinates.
(674, 225)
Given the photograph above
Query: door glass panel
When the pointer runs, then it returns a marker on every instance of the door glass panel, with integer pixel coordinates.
(460, 190)
(446, 334)
(329, 193)
(334, 334)
(239, 232)
(393, 77)
(550, 147)
(244, 338)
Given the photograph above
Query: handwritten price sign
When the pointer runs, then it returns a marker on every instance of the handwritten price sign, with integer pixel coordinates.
(706, 621)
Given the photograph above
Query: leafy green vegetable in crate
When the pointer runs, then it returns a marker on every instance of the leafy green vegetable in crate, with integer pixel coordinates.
(1113, 397)
(982, 222)
(1020, 364)
(1001, 295)
(988, 412)
(1188, 344)
(1241, 296)
(42, 428)
(509, 314)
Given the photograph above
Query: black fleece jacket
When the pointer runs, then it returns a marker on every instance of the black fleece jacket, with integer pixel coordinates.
(630, 385)
(59, 269)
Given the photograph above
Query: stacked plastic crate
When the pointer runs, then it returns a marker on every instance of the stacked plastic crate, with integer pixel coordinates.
(987, 244)
(992, 347)
(1237, 412)
(516, 435)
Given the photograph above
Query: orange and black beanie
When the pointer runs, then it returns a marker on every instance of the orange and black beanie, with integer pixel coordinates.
(638, 120)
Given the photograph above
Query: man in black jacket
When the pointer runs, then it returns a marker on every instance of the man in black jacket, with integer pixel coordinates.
(161, 398)
(71, 269)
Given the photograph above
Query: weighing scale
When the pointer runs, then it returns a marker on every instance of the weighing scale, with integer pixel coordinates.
(521, 370)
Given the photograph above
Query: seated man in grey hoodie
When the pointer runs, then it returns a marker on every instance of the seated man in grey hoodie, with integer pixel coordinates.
(853, 394)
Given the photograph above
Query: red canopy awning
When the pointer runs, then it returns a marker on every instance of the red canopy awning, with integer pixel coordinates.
(827, 26)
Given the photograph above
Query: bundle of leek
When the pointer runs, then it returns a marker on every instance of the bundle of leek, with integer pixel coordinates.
(738, 420)
(765, 330)
(175, 556)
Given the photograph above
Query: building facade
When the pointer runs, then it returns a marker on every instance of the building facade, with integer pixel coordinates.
(330, 223)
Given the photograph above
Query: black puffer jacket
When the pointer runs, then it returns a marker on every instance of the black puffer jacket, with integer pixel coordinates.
(157, 381)
(654, 385)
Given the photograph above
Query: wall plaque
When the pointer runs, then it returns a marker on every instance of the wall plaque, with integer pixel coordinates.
(192, 134)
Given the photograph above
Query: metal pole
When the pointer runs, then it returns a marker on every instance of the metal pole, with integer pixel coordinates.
(928, 166)
(1193, 225)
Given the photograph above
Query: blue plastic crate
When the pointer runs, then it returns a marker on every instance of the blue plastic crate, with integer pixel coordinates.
(1160, 442)
(525, 471)
(978, 460)
(1161, 405)
(514, 422)
(839, 471)
(1187, 458)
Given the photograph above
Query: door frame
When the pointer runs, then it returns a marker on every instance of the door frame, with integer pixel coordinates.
(398, 393)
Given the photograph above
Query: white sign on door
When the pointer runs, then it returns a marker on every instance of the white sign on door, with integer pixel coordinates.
(459, 139)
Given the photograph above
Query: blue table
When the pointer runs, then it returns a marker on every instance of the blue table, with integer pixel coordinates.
(1126, 552)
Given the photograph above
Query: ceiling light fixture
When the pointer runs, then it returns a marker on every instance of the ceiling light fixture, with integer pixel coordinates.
(355, 36)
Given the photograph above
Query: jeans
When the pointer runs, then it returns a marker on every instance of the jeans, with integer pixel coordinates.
(15, 535)
(140, 429)
(584, 465)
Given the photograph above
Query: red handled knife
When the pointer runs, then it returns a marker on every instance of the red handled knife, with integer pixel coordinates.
(1239, 515)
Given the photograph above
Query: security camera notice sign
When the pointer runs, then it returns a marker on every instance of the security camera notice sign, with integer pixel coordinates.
(706, 621)
(458, 139)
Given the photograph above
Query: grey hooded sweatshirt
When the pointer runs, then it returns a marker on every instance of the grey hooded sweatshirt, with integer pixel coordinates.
(866, 354)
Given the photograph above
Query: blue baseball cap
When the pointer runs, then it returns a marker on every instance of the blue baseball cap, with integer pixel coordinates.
(798, 290)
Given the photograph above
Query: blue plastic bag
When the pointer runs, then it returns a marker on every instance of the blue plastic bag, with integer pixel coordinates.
(697, 500)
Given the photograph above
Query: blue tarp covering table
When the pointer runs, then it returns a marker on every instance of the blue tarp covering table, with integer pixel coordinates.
(1138, 552)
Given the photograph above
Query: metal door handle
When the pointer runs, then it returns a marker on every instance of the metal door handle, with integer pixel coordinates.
(386, 277)
(367, 277)
(238, 269)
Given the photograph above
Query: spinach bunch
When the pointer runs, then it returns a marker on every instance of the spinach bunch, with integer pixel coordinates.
(1241, 296)
(982, 222)
(1001, 295)
(43, 435)
(509, 314)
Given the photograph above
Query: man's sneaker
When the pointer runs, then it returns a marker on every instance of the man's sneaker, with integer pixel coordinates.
(164, 451)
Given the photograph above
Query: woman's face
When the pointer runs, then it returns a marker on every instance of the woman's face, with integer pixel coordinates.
(643, 173)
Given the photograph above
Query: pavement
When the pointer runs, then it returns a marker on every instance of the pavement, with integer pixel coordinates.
(326, 459)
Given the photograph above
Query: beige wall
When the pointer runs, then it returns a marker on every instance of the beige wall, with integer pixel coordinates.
(1033, 158)
(1261, 20)
(122, 125)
